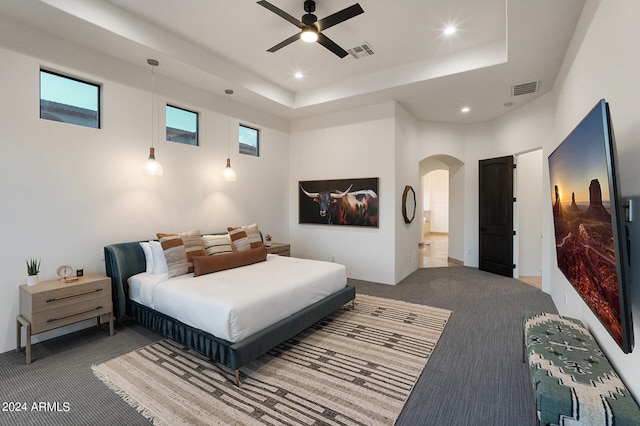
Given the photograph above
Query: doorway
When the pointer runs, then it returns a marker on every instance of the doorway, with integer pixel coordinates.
(434, 247)
(440, 199)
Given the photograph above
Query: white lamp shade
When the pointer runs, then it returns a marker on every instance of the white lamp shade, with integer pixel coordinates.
(228, 173)
(151, 167)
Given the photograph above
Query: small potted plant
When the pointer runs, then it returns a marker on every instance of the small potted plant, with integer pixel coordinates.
(33, 269)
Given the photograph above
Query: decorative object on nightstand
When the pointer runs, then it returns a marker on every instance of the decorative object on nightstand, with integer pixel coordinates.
(65, 272)
(53, 304)
(267, 240)
(33, 271)
(281, 249)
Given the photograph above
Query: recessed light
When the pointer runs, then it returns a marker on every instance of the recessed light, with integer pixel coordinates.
(298, 75)
(465, 109)
(449, 30)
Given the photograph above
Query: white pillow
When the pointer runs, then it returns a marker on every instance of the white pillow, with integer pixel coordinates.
(148, 256)
(159, 261)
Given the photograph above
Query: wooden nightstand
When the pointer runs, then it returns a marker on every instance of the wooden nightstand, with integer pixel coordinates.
(53, 304)
(281, 249)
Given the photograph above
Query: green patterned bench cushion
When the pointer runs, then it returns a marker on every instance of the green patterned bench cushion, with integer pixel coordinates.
(573, 382)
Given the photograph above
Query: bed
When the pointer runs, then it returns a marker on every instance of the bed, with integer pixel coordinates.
(125, 263)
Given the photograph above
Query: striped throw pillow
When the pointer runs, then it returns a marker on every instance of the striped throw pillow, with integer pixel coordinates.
(239, 239)
(179, 249)
(216, 244)
(252, 233)
(174, 253)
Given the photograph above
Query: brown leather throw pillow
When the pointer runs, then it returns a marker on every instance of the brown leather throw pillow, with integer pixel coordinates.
(207, 264)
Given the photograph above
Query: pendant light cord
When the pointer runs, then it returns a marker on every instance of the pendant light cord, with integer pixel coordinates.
(153, 64)
(229, 92)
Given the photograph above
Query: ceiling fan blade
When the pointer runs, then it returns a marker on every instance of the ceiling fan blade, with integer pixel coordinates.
(338, 17)
(329, 44)
(281, 13)
(284, 43)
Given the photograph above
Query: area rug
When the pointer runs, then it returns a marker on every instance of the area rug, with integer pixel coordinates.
(355, 367)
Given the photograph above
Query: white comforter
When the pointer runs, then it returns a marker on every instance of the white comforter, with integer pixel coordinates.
(236, 303)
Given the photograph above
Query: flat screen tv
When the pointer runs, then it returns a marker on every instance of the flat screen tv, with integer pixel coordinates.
(589, 222)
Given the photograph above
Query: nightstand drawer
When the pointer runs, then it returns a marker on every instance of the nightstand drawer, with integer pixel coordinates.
(60, 294)
(66, 296)
(65, 315)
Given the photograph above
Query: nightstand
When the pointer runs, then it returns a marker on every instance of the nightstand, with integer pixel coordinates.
(281, 249)
(53, 304)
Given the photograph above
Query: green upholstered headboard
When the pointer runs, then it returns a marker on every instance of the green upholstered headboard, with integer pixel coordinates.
(122, 261)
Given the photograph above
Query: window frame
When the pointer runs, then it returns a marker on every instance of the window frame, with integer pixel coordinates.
(98, 86)
(166, 127)
(257, 147)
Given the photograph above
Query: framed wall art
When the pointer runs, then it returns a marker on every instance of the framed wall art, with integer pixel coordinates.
(351, 202)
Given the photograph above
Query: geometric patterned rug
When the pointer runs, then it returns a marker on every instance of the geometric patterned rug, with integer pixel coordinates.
(355, 367)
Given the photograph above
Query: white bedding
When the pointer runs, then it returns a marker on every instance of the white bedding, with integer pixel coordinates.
(236, 303)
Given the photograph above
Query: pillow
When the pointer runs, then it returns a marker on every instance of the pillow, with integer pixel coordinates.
(193, 245)
(148, 256)
(207, 264)
(239, 239)
(216, 244)
(252, 233)
(159, 261)
(175, 254)
(179, 249)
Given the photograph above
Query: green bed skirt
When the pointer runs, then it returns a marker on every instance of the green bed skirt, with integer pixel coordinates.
(236, 355)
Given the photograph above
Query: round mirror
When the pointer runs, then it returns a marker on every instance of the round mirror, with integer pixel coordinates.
(408, 204)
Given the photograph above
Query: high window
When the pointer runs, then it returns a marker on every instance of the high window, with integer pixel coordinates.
(69, 100)
(182, 125)
(249, 139)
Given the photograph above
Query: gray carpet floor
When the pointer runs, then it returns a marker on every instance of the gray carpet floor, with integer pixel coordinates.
(474, 377)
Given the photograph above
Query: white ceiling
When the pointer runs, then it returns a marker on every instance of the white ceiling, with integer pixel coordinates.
(217, 44)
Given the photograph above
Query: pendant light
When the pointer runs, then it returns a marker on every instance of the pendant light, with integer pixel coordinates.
(228, 174)
(151, 166)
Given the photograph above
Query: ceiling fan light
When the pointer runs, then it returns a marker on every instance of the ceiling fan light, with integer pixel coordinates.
(309, 35)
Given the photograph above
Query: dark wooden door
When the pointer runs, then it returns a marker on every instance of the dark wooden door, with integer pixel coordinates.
(496, 216)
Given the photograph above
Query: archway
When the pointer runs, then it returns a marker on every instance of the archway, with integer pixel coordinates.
(441, 199)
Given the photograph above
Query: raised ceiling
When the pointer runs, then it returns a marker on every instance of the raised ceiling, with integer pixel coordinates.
(216, 44)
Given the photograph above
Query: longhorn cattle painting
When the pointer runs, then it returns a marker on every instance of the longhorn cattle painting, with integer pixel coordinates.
(339, 202)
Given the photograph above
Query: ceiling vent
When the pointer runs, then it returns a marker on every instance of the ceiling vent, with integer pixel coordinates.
(361, 51)
(525, 88)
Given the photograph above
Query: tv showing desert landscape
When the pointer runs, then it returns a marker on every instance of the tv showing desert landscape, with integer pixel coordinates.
(588, 217)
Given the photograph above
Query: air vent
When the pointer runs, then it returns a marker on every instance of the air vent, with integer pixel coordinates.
(525, 88)
(361, 51)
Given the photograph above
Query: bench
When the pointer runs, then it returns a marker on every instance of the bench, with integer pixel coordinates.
(573, 382)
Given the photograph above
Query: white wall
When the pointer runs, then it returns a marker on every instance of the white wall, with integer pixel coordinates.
(529, 192)
(68, 190)
(358, 143)
(406, 173)
(602, 62)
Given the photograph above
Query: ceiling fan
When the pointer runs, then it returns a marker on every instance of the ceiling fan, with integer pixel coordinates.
(311, 28)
